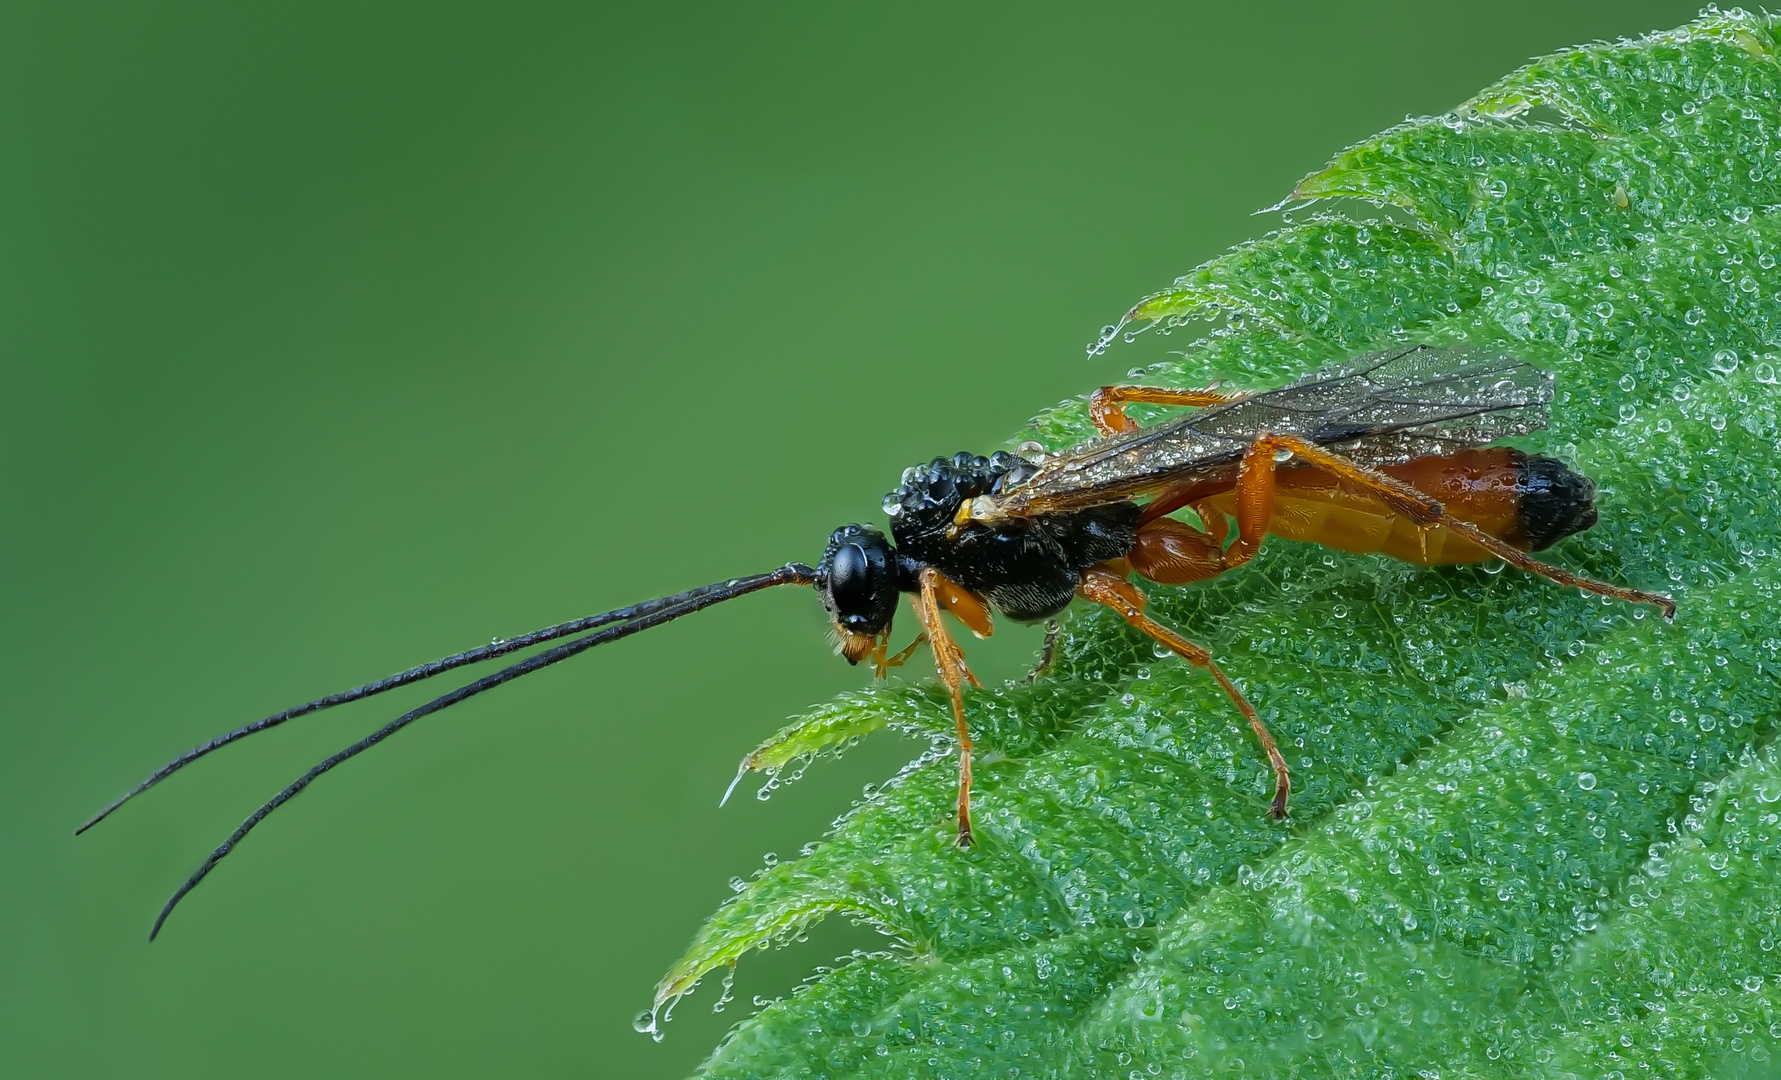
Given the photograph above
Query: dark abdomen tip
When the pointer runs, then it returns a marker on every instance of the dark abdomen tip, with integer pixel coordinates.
(1556, 502)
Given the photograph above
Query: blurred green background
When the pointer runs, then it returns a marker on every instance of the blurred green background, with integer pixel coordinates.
(342, 336)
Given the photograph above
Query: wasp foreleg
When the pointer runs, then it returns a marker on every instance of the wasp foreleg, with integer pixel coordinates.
(950, 661)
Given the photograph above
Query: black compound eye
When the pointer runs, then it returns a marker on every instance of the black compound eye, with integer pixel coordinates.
(850, 577)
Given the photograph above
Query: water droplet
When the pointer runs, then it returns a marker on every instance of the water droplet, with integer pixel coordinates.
(728, 992)
(1586, 781)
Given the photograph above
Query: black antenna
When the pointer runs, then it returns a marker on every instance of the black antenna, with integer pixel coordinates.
(444, 664)
(637, 618)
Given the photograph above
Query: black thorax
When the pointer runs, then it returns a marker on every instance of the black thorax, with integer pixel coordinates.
(1028, 568)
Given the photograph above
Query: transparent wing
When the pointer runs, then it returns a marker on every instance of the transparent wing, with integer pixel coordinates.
(1464, 396)
(1379, 409)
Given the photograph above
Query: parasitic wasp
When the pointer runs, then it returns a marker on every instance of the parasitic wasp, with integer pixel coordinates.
(1387, 453)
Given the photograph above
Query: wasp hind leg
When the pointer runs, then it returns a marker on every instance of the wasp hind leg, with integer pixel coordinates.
(1255, 493)
(1107, 587)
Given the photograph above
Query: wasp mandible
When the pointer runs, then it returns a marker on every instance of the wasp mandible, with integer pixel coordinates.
(1386, 453)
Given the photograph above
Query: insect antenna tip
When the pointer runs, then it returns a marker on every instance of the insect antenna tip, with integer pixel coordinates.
(97, 818)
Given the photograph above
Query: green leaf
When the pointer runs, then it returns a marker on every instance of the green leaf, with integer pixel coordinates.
(1533, 833)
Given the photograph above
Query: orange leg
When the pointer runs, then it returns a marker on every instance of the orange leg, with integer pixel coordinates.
(1109, 588)
(1106, 405)
(953, 674)
(1054, 631)
(966, 606)
(1174, 553)
(1195, 493)
(1255, 503)
(883, 663)
(1214, 521)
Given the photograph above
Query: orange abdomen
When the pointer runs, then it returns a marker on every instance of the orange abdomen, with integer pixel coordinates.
(1486, 487)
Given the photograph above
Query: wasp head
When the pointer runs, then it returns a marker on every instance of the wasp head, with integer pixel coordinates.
(857, 581)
